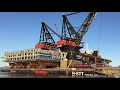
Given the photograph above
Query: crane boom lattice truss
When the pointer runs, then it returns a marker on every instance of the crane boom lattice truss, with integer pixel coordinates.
(85, 26)
(46, 40)
(45, 36)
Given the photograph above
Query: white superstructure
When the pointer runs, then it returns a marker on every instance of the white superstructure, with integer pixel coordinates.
(34, 54)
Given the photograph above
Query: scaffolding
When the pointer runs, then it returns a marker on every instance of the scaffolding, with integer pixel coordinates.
(33, 55)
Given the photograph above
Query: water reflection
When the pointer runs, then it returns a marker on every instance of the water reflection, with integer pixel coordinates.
(29, 75)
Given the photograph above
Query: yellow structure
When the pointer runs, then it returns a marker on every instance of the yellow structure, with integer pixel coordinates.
(111, 70)
(63, 64)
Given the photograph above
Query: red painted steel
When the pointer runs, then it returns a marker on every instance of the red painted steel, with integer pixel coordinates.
(41, 72)
(43, 46)
(65, 42)
(88, 65)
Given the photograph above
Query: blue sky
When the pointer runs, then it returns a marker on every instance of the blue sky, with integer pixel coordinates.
(21, 30)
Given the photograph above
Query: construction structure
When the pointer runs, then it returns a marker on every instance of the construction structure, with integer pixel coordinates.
(62, 54)
(34, 58)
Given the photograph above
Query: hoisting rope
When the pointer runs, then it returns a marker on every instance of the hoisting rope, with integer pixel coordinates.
(100, 25)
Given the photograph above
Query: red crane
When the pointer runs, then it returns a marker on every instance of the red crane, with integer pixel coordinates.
(46, 40)
(68, 35)
(73, 40)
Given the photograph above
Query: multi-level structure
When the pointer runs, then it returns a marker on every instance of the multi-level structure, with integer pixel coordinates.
(46, 53)
(34, 57)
